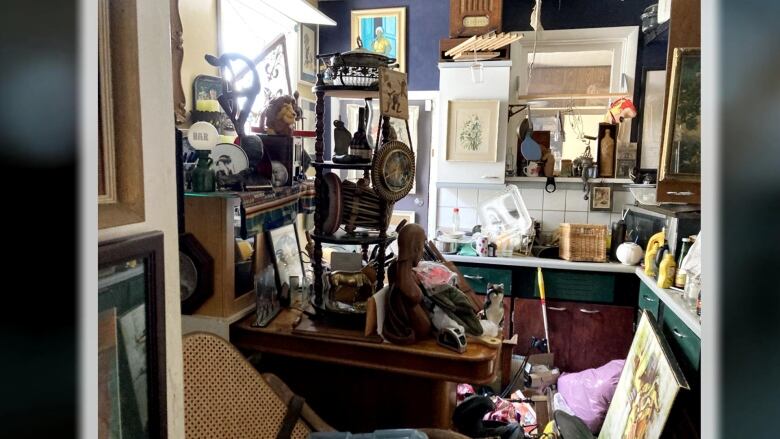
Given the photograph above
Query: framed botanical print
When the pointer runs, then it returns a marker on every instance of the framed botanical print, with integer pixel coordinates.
(307, 53)
(382, 31)
(131, 338)
(648, 386)
(120, 146)
(472, 131)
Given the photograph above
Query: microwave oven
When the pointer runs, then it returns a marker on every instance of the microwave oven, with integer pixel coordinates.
(680, 221)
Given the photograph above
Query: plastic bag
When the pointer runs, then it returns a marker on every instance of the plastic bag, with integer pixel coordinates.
(589, 392)
(432, 274)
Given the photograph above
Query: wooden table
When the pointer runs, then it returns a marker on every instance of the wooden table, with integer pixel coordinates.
(362, 386)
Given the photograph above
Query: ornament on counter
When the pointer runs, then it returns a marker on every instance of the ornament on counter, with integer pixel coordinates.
(202, 135)
(341, 137)
(494, 304)
(279, 116)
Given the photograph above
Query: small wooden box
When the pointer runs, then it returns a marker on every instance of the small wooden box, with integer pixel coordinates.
(471, 17)
(583, 242)
(211, 218)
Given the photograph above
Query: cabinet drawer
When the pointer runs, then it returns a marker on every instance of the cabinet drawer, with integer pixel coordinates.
(684, 343)
(648, 300)
(480, 277)
(577, 286)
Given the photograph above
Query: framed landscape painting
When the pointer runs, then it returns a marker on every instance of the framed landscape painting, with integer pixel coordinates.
(472, 131)
(381, 31)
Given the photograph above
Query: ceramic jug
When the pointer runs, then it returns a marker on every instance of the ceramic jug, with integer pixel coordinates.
(203, 175)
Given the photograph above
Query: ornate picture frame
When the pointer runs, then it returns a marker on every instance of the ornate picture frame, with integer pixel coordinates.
(131, 337)
(120, 144)
(382, 31)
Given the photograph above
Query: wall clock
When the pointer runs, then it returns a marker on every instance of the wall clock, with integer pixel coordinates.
(392, 174)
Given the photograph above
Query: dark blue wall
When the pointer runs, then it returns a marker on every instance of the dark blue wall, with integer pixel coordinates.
(428, 22)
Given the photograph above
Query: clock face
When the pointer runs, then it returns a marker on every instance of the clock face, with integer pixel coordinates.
(188, 276)
(397, 171)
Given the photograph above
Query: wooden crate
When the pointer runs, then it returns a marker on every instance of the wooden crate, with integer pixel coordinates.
(583, 242)
(211, 220)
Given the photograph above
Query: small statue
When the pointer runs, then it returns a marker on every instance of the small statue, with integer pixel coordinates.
(406, 321)
(279, 116)
(494, 304)
(341, 137)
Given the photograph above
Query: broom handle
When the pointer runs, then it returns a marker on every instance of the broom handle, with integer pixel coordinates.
(544, 307)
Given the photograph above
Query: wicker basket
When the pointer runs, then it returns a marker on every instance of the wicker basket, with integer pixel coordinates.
(583, 242)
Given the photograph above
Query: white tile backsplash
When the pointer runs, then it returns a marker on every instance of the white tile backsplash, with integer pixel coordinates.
(551, 219)
(555, 200)
(599, 218)
(575, 201)
(533, 198)
(468, 197)
(448, 197)
(566, 204)
(573, 217)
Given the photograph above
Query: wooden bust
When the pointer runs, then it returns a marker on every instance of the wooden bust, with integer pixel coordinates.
(406, 320)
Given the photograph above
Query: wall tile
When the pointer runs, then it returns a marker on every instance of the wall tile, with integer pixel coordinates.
(467, 197)
(551, 220)
(468, 218)
(533, 198)
(448, 197)
(554, 201)
(600, 218)
(575, 217)
(535, 214)
(620, 199)
(444, 217)
(575, 201)
(487, 194)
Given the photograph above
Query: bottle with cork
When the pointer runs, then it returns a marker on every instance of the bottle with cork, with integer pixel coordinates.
(679, 278)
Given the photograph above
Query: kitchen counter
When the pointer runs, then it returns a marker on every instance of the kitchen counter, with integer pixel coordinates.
(674, 301)
(533, 262)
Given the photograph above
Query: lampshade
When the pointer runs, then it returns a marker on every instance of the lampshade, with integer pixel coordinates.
(300, 11)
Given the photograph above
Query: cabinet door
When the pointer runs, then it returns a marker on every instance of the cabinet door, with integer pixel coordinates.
(582, 335)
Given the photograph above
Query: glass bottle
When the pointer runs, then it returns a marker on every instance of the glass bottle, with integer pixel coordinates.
(679, 278)
(692, 289)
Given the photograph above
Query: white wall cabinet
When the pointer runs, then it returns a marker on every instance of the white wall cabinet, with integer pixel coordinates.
(455, 83)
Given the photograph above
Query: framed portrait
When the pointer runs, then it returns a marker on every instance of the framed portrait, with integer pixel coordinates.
(381, 31)
(285, 247)
(472, 131)
(395, 219)
(600, 198)
(648, 386)
(307, 53)
(120, 146)
(624, 167)
(681, 145)
(131, 338)
(651, 108)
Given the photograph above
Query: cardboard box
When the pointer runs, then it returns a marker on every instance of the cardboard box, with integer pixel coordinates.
(543, 406)
(541, 371)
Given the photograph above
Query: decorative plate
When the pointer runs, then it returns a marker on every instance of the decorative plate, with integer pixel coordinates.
(392, 174)
(333, 213)
(228, 159)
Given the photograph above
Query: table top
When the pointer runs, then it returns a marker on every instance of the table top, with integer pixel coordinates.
(425, 358)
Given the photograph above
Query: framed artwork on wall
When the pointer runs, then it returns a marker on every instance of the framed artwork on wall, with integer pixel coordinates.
(648, 386)
(307, 53)
(120, 146)
(651, 114)
(472, 131)
(600, 198)
(381, 31)
(131, 337)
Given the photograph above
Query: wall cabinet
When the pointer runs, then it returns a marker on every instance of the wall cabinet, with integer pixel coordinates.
(582, 335)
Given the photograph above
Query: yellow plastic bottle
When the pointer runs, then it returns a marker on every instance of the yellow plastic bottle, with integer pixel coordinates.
(653, 244)
(666, 271)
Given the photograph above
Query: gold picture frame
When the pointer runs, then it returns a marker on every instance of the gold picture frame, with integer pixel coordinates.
(366, 23)
(472, 130)
(120, 147)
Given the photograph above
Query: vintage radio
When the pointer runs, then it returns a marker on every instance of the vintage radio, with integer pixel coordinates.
(474, 17)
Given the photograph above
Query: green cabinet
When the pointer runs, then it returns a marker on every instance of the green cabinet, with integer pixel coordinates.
(479, 277)
(649, 301)
(685, 345)
(580, 286)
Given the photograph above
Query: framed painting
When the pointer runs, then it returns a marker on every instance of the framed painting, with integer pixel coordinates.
(131, 338)
(648, 386)
(472, 131)
(120, 146)
(600, 198)
(307, 53)
(393, 95)
(381, 31)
